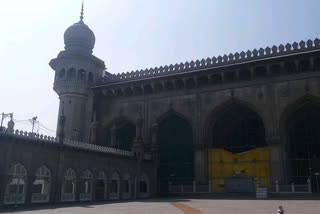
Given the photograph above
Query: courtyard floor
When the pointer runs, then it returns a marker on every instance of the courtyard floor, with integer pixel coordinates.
(182, 206)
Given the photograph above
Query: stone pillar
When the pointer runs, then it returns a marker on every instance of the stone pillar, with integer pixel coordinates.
(30, 180)
(276, 159)
(201, 164)
(93, 190)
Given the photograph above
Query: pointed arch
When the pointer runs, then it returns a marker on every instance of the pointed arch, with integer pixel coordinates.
(41, 185)
(101, 186)
(175, 140)
(220, 109)
(300, 135)
(18, 170)
(71, 74)
(16, 185)
(115, 186)
(119, 133)
(144, 186)
(69, 185)
(126, 183)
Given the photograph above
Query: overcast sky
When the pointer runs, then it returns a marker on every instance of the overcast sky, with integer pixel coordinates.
(131, 35)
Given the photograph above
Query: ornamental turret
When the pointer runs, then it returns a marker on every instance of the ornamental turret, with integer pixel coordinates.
(76, 70)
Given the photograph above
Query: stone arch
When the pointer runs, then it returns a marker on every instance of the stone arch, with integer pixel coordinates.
(61, 74)
(101, 185)
(175, 138)
(119, 132)
(126, 183)
(219, 109)
(90, 77)
(71, 74)
(299, 134)
(86, 183)
(69, 185)
(115, 186)
(82, 75)
(16, 185)
(41, 185)
(144, 186)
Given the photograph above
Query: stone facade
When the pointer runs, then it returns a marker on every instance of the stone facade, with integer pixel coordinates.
(112, 127)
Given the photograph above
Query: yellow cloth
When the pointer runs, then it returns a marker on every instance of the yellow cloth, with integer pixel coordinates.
(253, 163)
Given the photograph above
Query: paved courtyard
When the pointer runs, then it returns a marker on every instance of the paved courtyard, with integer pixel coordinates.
(187, 206)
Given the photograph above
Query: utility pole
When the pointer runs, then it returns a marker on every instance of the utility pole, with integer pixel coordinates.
(33, 121)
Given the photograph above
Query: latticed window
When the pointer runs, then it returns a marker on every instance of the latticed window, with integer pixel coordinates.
(43, 172)
(70, 174)
(102, 175)
(87, 175)
(18, 170)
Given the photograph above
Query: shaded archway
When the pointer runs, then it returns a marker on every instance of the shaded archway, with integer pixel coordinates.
(101, 186)
(16, 185)
(41, 186)
(175, 140)
(236, 129)
(302, 132)
(238, 151)
(125, 134)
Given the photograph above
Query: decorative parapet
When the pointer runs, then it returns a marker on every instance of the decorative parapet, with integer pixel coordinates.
(29, 136)
(81, 145)
(97, 148)
(262, 53)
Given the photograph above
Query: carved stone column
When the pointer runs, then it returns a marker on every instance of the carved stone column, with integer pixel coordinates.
(276, 157)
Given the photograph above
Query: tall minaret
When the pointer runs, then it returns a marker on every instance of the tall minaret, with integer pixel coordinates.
(76, 70)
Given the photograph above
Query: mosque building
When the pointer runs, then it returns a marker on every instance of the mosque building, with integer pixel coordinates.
(230, 123)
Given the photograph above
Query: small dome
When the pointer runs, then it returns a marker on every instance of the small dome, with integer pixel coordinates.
(79, 37)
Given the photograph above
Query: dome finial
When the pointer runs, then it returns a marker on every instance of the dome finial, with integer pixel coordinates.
(81, 13)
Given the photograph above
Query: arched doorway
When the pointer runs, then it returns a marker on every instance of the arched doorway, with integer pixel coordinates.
(115, 186)
(303, 144)
(101, 186)
(238, 155)
(41, 186)
(125, 135)
(68, 192)
(175, 142)
(86, 186)
(16, 186)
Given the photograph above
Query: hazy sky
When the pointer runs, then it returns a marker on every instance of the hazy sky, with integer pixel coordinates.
(134, 34)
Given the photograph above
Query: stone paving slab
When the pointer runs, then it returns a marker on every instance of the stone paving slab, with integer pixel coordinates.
(186, 206)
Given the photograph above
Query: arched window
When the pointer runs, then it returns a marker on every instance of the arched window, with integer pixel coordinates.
(16, 186)
(115, 186)
(101, 186)
(144, 186)
(82, 75)
(86, 186)
(71, 74)
(69, 185)
(303, 143)
(125, 134)
(90, 77)
(61, 74)
(175, 140)
(41, 185)
(126, 184)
